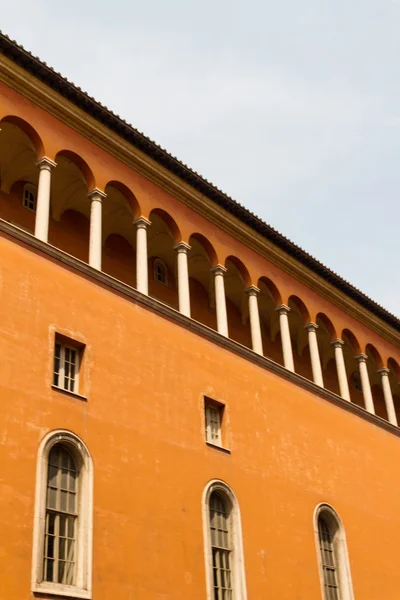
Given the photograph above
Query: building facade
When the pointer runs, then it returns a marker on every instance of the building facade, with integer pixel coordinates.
(190, 405)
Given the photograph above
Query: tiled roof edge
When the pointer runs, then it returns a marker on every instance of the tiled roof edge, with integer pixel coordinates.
(81, 99)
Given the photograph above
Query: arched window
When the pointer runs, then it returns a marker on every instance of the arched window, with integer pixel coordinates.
(62, 546)
(29, 194)
(333, 558)
(160, 271)
(61, 517)
(223, 544)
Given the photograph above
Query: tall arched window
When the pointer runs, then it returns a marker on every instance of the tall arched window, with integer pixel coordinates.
(61, 517)
(62, 545)
(332, 553)
(223, 544)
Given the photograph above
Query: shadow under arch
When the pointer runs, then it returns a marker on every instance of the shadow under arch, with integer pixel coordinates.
(237, 280)
(326, 334)
(29, 131)
(271, 288)
(208, 247)
(269, 299)
(170, 221)
(128, 195)
(351, 349)
(299, 316)
(82, 166)
(201, 259)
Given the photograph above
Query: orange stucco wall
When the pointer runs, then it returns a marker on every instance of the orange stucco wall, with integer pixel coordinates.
(145, 378)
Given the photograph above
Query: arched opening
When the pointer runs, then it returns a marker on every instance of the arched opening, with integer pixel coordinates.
(237, 280)
(70, 206)
(394, 380)
(325, 335)
(19, 147)
(163, 235)
(120, 209)
(201, 259)
(351, 349)
(269, 299)
(374, 363)
(298, 318)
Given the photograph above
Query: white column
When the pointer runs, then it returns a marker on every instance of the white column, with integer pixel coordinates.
(183, 278)
(341, 369)
(314, 353)
(95, 239)
(43, 199)
(365, 384)
(387, 394)
(283, 312)
(142, 276)
(220, 300)
(255, 326)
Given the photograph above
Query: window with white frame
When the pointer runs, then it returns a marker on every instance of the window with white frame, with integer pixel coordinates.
(62, 544)
(333, 557)
(66, 366)
(29, 196)
(213, 421)
(160, 271)
(225, 572)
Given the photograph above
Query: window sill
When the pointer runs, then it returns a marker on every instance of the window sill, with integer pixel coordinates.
(68, 591)
(216, 447)
(68, 393)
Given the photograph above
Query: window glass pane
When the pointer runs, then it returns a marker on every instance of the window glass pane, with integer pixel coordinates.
(327, 551)
(220, 545)
(59, 559)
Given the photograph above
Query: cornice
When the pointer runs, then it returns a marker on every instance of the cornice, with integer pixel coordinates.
(55, 104)
(83, 269)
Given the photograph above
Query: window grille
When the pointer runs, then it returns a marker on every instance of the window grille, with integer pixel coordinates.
(213, 424)
(66, 367)
(160, 271)
(328, 561)
(29, 197)
(61, 518)
(221, 547)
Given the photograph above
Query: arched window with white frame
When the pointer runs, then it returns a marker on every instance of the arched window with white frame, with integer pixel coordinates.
(62, 544)
(332, 555)
(225, 574)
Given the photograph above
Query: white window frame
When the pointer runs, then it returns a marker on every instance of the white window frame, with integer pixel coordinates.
(335, 525)
(84, 533)
(32, 189)
(212, 408)
(159, 261)
(237, 554)
(61, 373)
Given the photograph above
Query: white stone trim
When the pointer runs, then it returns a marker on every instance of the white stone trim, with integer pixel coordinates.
(340, 548)
(83, 587)
(238, 568)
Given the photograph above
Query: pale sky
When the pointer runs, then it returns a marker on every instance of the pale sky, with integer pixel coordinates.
(292, 108)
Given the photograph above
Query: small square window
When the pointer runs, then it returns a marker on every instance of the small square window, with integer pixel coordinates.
(67, 359)
(213, 421)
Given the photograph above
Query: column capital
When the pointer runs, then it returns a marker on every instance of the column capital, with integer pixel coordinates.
(252, 290)
(384, 371)
(142, 223)
(282, 309)
(97, 194)
(361, 358)
(46, 164)
(182, 247)
(311, 326)
(338, 343)
(219, 270)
